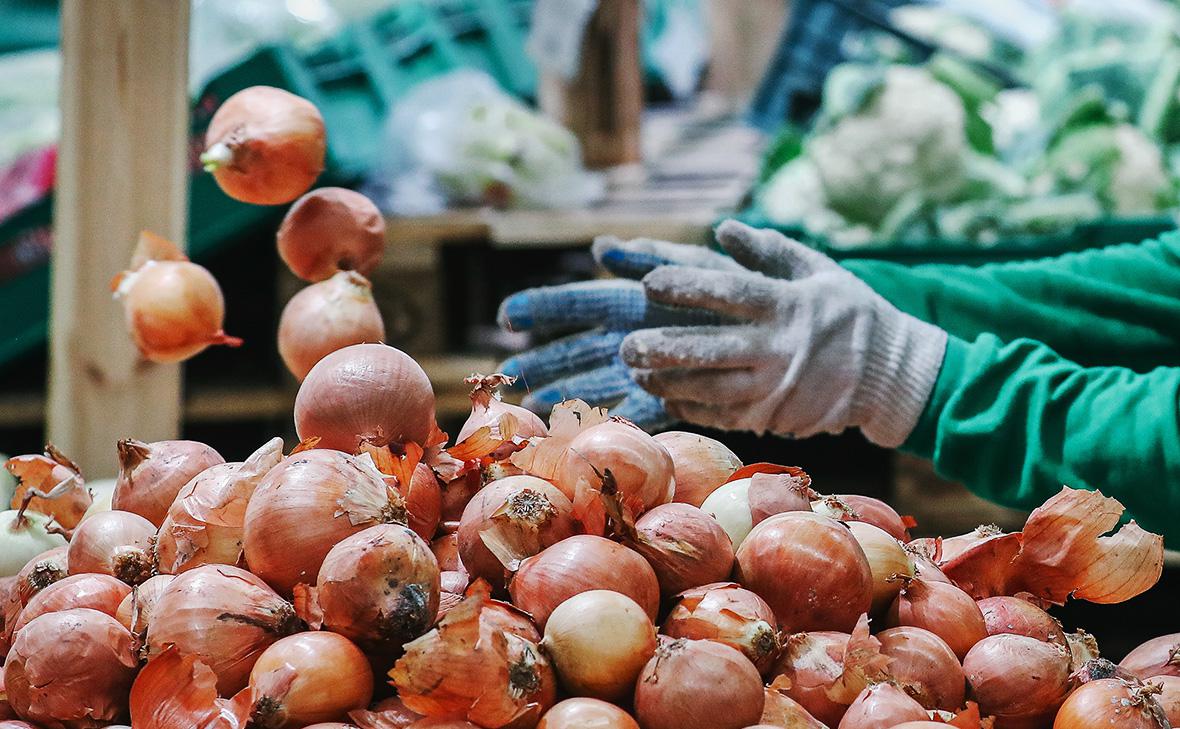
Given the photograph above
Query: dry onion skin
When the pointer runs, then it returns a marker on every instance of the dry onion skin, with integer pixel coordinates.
(265, 146)
(48, 473)
(1157, 657)
(641, 468)
(327, 316)
(698, 684)
(924, 666)
(1017, 679)
(727, 613)
(71, 669)
(116, 543)
(224, 616)
(586, 713)
(700, 464)
(578, 564)
(1168, 697)
(306, 505)
(177, 690)
(488, 411)
(599, 641)
(205, 523)
(510, 520)
(152, 474)
(379, 587)
(809, 569)
(307, 678)
(685, 546)
(330, 230)
(779, 710)
(1112, 702)
(93, 591)
(363, 394)
(136, 610)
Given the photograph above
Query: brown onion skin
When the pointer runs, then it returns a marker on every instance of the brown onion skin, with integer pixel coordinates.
(579, 564)
(295, 516)
(275, 142)
(96, 592)
(700, 464)
(1157, 657)
(586, 713)
(379, 587)
(809, 569)
(536, 515)
(197, 614)
(66, 509)
(698, 684)
(423, 501)
(782, 711)
(152, 474)
(1110, 702)
(446, 551)
(174, 310)
(729, 614)
(136, 609)
(331, 230)
(365, 393)
(925, 666)
(1169, 696)
(327, 316)
(116, 543)
(487, 409)
(667, 530)
(1017, 679)
(881, 707)
(312, 696)
(811, 662)
(941, 608)
(642, 468)
(71, 669)
(1005, 614)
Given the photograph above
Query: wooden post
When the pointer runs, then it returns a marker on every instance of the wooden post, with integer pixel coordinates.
(121, 167)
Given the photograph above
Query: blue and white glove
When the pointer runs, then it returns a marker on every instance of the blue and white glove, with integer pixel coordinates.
(587, 365)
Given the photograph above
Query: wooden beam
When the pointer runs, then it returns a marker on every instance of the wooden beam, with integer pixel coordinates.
(122, 167)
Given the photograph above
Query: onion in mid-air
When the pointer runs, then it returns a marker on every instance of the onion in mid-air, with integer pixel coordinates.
(329, 230)
(325, 317)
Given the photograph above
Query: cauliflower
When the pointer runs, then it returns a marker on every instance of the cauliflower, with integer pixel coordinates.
(1118, 163)
(908, 134)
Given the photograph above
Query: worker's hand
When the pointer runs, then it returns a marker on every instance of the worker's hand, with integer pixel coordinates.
(587, 365)
(811, 348)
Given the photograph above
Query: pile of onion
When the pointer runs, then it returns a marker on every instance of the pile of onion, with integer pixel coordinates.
(331, 230)
(700, 464)
(152, 474)
(325, 317)
(265, 146)
(727, 613)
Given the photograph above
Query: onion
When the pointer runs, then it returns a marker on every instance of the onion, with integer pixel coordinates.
(698, 684)
(924, 666)
(40, 572)
(265, 146)
(325, 317)
(887, 560)
(365, 393)
(175, 690)
(941, 608)
(744, 502)
(579, 564)
(446, 551)
(1169, 697)
(510, 520)
(728, 614)
(152, 474)
(23, 537)
(866, 509)
(1112, 702)
(379, 587)
(921, 552)
(331, 230)
(305, 505)
(457, 492)
(782, 711)
(1005, 614)
(882, 706)
(641, 467)
(953, 547)
(137, 608)
(481, 663)
(1157, 657)
(809, 569)
(586, 713)
(686, 547)
(423, 498)
(223, 615)
(599, 641)
(116, 543)
(1017, 679)
(204, 524)
(96, 592)
(173, 307)
(71, 669)
(700, 464)
(50, 473)
(307, 678)
(488, 410)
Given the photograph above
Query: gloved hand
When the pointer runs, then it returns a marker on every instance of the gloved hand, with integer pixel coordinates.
(813, 348)
(587, 365)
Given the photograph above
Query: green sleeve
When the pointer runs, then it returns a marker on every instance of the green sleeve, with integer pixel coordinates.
(1015, 422)
(1115, 306)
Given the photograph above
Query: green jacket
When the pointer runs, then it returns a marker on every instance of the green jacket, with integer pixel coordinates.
(1057, 371)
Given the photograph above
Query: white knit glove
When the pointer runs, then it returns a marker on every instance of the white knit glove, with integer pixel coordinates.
(812, 348)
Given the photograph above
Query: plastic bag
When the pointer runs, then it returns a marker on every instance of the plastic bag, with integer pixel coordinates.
(460, 139)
